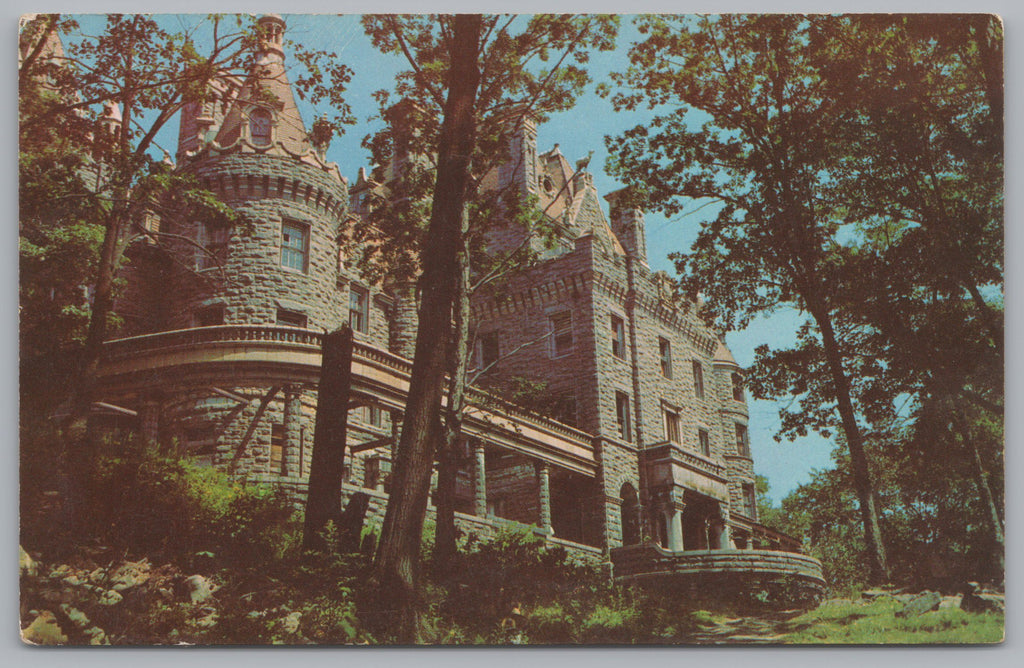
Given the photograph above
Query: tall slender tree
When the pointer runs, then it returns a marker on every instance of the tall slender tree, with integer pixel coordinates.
(525, 66)
(858, 168)
(742, 123)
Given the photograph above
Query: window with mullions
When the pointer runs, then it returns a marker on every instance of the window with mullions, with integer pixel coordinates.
(737, 387)
(742, 440)
(705, 442)
(359, 309)
(618, 337)
(561, 333)
(698, 380)
(749, 500)
(622, 416)
(277, 448)
(488, 349)
(295, 246)
(665, 353)
(213, 245)
(672, 426)
(259, 127)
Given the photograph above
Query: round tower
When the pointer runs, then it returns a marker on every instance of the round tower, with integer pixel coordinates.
(732, 408)
(279, 262)
(276, 264)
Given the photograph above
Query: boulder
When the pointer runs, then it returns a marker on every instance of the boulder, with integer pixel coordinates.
(44, 630)
(96, 636)
(920, 604)
(290, 623)
(950, 602)
(26, 564)
(873, 594)
(110, 597)
(130, 574)
(76, 616)
(207, 621)
(198, 588)
(975, 600)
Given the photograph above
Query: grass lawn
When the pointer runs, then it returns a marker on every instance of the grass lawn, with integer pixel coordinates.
(876, 623)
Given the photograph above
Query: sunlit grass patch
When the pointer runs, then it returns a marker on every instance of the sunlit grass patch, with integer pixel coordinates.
(876, 623)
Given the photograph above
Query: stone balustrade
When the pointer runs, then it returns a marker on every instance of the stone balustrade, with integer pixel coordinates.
(768, 577)
(255, 354)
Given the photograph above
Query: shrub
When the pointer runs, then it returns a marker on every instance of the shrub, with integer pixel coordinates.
(153, 503)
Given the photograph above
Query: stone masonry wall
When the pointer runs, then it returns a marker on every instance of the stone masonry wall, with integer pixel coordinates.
(732, 412)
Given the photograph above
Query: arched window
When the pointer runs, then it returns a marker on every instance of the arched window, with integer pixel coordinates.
(259, 127)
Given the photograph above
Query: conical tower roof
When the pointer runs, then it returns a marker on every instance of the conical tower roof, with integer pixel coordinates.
(267, 90)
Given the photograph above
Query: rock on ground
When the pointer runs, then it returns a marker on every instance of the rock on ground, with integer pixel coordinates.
(44, 630)
(920, 604)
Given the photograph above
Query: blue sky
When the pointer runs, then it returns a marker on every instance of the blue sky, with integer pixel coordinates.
(577, 132)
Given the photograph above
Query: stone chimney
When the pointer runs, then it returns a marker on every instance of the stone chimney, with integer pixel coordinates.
(628, 223)
(523, 152)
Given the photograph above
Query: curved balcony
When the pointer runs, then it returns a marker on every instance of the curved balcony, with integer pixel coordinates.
(759, 578)
(255, 355)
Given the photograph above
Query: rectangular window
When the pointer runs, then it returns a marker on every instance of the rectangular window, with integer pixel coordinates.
(749, 501)
(618, 337)
(665, 352)
(705, 442)
(210, 316)
(488, 349)
(737, 387)
(213, 245)
(622, 416)
(370, 415)
(359, 309)
(295, 246)
(277, 448)
(561, 333)
(291, 318)
(742, 441)
(698, 379)
(565, 409)
(672, 426)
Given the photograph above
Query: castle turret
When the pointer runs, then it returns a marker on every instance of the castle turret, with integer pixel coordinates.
(280, 264)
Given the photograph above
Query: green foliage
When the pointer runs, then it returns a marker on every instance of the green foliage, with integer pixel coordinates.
(528, 65)
(516, 588)
(852, 168)
(153, 503)
(845, 622)
(934, 520)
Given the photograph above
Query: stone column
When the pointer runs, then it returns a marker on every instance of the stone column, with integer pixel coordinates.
(292, 431)
(674, 507)
(725, 536)
(479, 480)
(149, 422)
(544, 489)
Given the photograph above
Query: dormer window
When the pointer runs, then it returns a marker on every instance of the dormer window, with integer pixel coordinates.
(259, 127)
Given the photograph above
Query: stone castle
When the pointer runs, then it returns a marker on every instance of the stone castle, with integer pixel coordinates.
(647, 437)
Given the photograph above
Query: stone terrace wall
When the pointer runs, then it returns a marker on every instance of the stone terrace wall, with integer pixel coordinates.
(482, 528)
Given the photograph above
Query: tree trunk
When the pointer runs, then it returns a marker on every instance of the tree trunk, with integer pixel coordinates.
(323, 500)
(448, 451)
(397, 562)
(981, 482)
(862, 480)
(80, 449)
